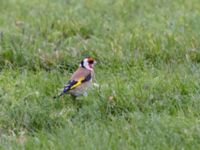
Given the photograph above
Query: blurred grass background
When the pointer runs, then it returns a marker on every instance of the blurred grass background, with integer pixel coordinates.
(148, 55)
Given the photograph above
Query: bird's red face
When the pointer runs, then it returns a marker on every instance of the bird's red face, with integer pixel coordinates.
(88, 63)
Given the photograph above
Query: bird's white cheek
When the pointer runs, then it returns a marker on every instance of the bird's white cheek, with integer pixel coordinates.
(88, 67)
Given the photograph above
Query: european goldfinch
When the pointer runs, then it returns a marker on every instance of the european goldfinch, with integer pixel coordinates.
(81, 79)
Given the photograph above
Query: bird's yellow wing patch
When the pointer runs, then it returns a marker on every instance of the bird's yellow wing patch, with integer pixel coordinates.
(77, 83)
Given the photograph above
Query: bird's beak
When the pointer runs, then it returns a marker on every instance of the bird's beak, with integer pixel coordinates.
(95, 62)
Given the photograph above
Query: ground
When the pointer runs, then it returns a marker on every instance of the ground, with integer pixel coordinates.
(148, 72)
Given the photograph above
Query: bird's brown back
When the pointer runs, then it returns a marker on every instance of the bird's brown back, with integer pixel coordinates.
(79, 73)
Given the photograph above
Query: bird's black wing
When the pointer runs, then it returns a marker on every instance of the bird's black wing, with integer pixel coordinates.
(73, 84)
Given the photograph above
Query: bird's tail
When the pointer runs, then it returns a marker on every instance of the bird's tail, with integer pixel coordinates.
(57, 96)
(65, 90)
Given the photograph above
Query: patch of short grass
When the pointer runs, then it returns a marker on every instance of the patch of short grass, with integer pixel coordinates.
(147, 71)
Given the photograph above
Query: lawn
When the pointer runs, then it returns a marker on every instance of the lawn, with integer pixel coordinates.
(148, 72)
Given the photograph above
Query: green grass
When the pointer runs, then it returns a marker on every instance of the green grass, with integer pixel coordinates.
(148, 69)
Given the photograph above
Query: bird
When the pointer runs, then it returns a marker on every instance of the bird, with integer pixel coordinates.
(81, 79)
